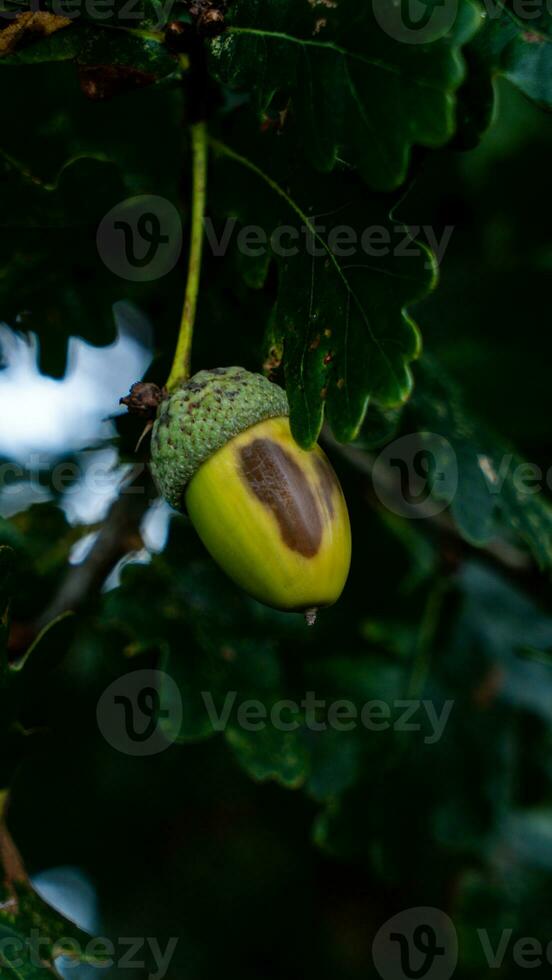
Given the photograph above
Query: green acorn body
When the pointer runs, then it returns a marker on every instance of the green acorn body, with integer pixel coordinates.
(271, 514)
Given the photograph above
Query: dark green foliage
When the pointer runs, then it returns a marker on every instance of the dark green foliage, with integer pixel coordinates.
(281, 848)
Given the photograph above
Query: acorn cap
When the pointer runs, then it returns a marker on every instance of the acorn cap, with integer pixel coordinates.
(201, 416)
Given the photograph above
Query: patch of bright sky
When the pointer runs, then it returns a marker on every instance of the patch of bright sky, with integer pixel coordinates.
(71, 892)
(45, 419)
(50, 417)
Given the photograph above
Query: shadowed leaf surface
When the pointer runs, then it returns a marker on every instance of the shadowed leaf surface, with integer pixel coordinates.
(358, 93)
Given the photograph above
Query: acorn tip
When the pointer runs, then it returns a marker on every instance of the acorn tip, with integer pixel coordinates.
(310, 616)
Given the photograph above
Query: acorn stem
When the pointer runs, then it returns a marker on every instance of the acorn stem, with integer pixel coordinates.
(310, 616)
(180, 369)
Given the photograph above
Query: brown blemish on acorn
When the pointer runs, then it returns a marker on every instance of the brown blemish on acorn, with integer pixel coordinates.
(327, 482)
(280, 484)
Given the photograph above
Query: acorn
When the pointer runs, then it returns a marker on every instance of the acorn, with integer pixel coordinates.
(272, 514)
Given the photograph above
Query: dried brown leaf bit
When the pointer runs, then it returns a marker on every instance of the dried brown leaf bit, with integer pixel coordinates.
(144, 399)
(29, 27)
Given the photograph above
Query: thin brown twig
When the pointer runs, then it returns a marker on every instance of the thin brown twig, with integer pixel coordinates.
(500, 551)
(120, 534)
(12, 869)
